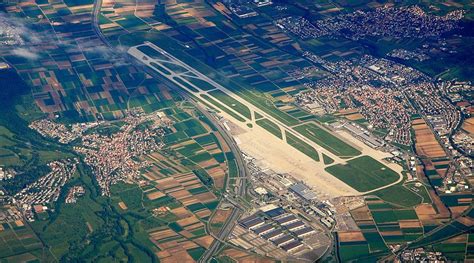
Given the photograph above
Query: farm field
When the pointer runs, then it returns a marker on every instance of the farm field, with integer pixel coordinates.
(426, 144)
(363, 173)
(399, 195)
(17, 241)
(167, 211)
(381, 224)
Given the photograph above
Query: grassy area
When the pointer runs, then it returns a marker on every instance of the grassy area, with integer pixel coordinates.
(270, 127)
(204, 85)
(327, 159)
(364, 173)
(231, 102)
(226, 110)
(326, 140)
(302, 146)
(421, 191)
(399, 195)
(351, 252)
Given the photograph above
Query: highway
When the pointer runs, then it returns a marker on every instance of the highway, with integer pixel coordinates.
(236, 212)
(241, 166)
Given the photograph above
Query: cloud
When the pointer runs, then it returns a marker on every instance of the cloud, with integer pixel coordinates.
(17, 30)
(25, 53)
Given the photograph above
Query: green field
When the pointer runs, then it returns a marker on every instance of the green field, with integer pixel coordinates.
(226, 110)
(231, 102)
(385, 216)
(302, 146)
(399, 195)
(327, 159)
(351, 252)
(270, 127)
(327, 140)
(204, 85)
(363, 173)
(15, 240)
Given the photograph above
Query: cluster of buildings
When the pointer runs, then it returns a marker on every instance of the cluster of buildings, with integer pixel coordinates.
(59, 131)
(464, 141)
(408, 55)
(283, 190)
(245, 8)
(421, 255)
(74, 193)
(35, 197)
(278, 226)
(6, 174)
(460, 94)
(290, 218)
(112, 158)
(368, 85)
(299, 26)
(9, 213)
(385, 92)
(439, 112)
(458, 177)
(360, 133)
(9, 33)
(398, 22)
(310, 205)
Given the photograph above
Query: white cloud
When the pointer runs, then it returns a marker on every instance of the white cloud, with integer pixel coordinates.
(25, 53)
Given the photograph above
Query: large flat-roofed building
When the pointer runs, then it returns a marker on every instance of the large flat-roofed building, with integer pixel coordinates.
(262, 230)
(303, 191)
(287, 219)
(292, 246)
(304, 232)
(326, 222)
(318, 211)
(281, 241)
(370, 140)
(295, 225)
(273, 235)
(274, 211)
(251, 222)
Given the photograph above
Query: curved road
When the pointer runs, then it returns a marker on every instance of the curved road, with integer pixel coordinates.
(236, 212)
(242, 168)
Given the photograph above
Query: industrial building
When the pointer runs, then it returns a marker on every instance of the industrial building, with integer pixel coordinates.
(303, 191)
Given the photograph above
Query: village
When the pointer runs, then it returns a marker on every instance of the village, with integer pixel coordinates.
(42, 194)
(395, 22)
(110, 152)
